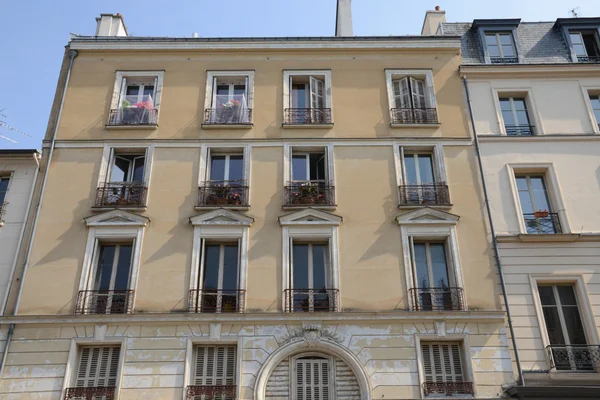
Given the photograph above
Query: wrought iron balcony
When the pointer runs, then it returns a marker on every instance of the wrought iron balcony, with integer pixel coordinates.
(311, 300)
(309, 193)
(414, 116)
(121, 194)
(585, 358)
(519, 130)
(447, 388)
(133, 116)
(104, 302)
(437, 299)
(307, 116)
(542, 224)
(223, 194)
(216, 301)
(588, 59)
(504, 60)
(228, 116)
(435, 194)
(90, 393)
(212, 392)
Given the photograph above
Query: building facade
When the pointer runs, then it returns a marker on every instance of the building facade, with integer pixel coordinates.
(534, 94)
(258, 219)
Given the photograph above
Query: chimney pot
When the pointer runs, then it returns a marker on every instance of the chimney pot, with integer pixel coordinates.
(433, 19)
(437, 8)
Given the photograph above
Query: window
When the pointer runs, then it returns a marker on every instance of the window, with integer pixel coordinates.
(421, 180)
(443, 369)
(565, 329)
(126, 185)
(97, 373)
(225, 184)
(312, 378)
(595, 101)
(310, 183)
(307, 97)
(500, 47)
(229, 98)
(535, 205)
(411, 97)
(219, 279)
(310, 286)
(214, 372)
(515, 116)
(585, 45)
(3, 191)
(136, 99)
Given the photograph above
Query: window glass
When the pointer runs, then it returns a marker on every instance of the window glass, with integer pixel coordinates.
(507, 114)
(3, 189)
(524, 196)
(439, 268)
(148, 91)
(320, 258)
(230, 267)
(123, 267)
(211, 266)
(133, 90)
(421, 265)
(217, 168)
(561, 314)
(236, 168)
(299, 96)
(553, 327)
(577, 42)
(105, 264)
(539, 193)
(546, 295)
(411, 169)
(120, 171)
(317, 166)
(426, 168)
(300, 266)
(299, 172)
(595, 100)
(591, 44)
(138, 169)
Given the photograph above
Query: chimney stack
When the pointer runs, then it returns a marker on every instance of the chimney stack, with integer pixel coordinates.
(110, 25)
(343, 19)
(433, 19)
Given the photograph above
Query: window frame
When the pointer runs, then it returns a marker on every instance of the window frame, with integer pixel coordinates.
(449, 266)
(109, 153)
(210, 91)
(223, 149)
(535, 119)
(493, 26)
(120, 85)
(392, 75)
(587, 92)
(4, 203)
(288, 74)
(289, 150)
(293, 380)
(568, 28)
(497, 34)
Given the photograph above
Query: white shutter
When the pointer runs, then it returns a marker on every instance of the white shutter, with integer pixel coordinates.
(312, 379)
(418, 93)
(98, 366)
(401, 93)
(317, 93)
(215, 365)
(123, 92)
(442, 362)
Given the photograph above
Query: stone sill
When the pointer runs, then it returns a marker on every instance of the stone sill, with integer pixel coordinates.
(301, 207)
(110, 208)
(395, 126)
(140, 127)
(307, 126)
(208, 208)
(557, 237)
(227, 126)
(411, 206)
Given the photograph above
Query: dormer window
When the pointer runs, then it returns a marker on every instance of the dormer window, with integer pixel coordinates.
(501, 47)
(499, 40)
(585, 45)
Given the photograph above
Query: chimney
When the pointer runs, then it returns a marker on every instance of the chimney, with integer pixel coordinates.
(343, 19)
(110, 25)
(433, 19)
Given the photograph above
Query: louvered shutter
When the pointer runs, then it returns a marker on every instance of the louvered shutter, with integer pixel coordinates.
(442, 362)
(401, 93)
(317, 93)
(98, 366)
(418, 93)
(312, 379)
(215, 365)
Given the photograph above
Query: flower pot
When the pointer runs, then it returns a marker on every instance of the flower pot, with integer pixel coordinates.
(540, 214)
(307, 200)
(220, 201)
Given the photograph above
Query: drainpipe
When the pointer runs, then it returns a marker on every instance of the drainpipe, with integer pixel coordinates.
(520, 378)
(72, 54)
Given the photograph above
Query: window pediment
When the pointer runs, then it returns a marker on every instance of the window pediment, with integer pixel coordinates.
(427, 215)
(117, 218)
(310, 217)
(222, 217)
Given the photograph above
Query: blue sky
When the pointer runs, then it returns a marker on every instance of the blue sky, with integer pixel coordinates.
(34, 32)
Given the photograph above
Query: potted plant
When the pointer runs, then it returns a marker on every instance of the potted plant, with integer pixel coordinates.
(540, 214)
(138, 113)
(220, 196)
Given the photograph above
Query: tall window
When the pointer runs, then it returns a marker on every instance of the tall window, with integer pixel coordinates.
(442, 365)
(595, 100)
(226, 168)
(411, 102)
(3, 190)
(515, 116)
(229, 101)
(500, 47)
(310, 280)
(564, 327)
(312, 378)
(128, 167)
(214, 373)
(137, 102)
(309, 166)
(535, 205)
(310, 184)
(308, 99)
(126, 184)
(96, 374)
(585, 44)
(219, 285)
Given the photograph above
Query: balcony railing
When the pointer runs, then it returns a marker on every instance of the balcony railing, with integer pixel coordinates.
(90, 393)
(588, 59)
(212, 392)
(307, 116)
(223, 194)
(437, 299)
(311, 300)
(227, 116)
(216, 301)
(134, 111)
(447, 388)
(504, 60)
(585, 358)
(519, 130)
(537, 224)
(104, 302)
(309, 193)
(435, 194)
(414, 116)
(121, 194)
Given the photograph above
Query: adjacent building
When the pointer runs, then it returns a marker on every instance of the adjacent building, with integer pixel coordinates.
(534, 90)
(259, 219)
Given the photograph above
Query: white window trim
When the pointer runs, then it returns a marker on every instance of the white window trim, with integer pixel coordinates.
(73, 359)
(120, 75)
(293, 377)
(392, 74)
(585, 91)
(552, 189)
(583, 303)
(310, 224)
(532, 110)
(205, 151)
(188, 367)
(466, 355)
(220, 224)
(430, 224)
(110, 226)
(210, 79)
(287, 74)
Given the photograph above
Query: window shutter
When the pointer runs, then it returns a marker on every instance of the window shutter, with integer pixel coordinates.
(312, 379)
(98, 366)
(215, 365)
(418, 93)
(442, 362)
(401, 93)
(122, 92)
(317, 91)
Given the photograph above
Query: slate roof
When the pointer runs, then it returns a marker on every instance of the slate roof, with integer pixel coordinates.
(540, 42)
